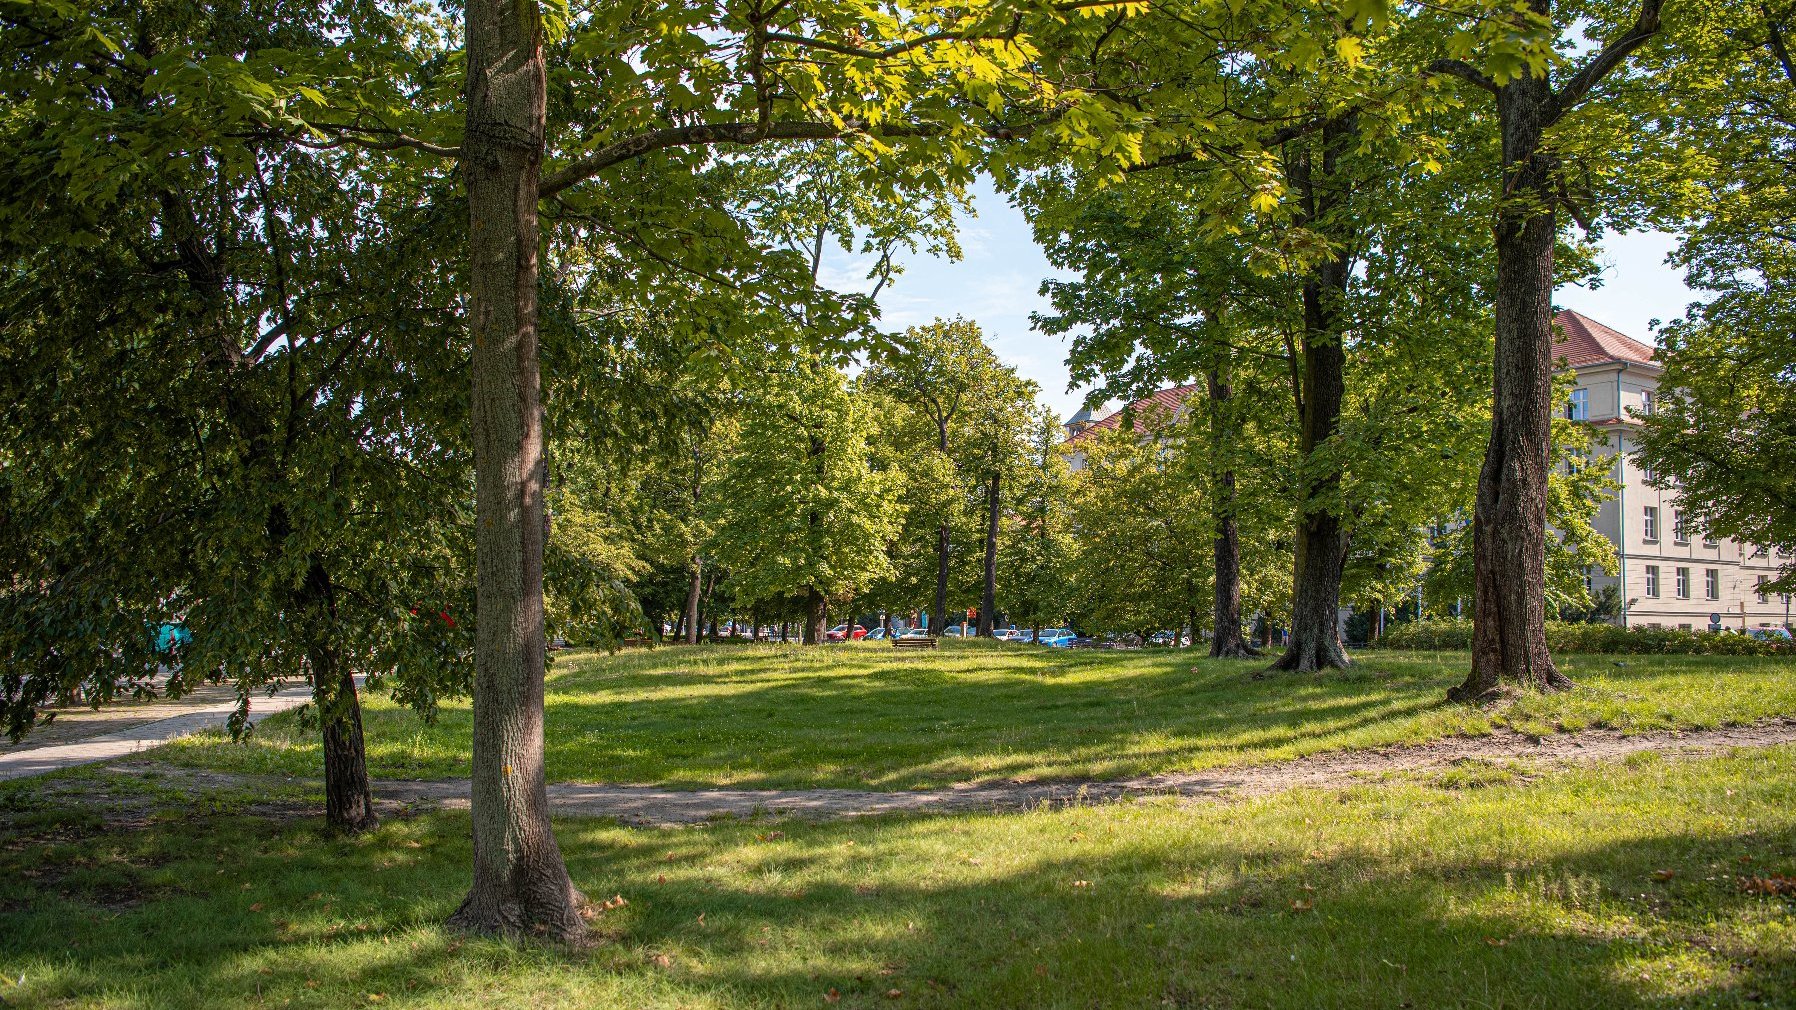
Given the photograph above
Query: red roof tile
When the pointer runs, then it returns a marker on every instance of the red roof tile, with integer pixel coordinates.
(1164, 402)
(1581, 340)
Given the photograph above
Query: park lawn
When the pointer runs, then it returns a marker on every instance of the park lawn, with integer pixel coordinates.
(1625, 884)
(769, 716)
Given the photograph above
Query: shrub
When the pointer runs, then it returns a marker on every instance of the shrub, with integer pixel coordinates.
(1601, 638)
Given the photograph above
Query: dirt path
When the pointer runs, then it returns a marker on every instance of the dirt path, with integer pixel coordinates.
(657, 807)
(123, 730)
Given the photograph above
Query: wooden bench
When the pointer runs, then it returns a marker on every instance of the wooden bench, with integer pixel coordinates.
(915, 642)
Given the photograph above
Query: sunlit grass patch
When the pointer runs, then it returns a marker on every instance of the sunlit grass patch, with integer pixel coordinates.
(858, 716)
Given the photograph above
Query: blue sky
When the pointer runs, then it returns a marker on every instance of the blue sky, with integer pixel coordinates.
(996, 284)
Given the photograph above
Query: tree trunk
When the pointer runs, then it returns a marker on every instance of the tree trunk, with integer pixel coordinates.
(1226, 640)
(785, 632)
(1509, 521)
(348, 798)
(938, 622)
(988, 603)
(520, 883)
(815, 614)
(1321, 550)
(690, 619)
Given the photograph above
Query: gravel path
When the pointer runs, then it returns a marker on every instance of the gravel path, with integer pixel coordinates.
(658, 807)
(24, 761)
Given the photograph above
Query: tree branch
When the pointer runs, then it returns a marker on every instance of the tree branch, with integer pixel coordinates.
(1778, 49)
(1465, 72)
(1646, 25)
(746, 134)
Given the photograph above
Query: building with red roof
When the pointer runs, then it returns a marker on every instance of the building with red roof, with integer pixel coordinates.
(1669, 576)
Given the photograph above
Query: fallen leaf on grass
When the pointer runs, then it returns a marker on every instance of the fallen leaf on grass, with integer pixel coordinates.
(1664, 875)
(1775, 885)
(1302, 905)
(1041, 969)
(1081, 883)
(832, 996)
(662, 961)
(1496, 941)
(257, 907)
(894, 993)
(615, 901)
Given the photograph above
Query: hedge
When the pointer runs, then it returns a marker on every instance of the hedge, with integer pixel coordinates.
(1566, 637)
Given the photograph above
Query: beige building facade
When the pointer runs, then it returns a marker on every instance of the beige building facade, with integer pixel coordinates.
(1669, 576)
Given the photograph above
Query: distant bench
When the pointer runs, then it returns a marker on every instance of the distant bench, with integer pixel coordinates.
(917, 642)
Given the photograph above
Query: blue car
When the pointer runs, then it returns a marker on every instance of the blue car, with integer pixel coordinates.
(1056, 638)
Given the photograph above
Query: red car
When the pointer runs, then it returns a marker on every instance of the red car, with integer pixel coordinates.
(841, 633)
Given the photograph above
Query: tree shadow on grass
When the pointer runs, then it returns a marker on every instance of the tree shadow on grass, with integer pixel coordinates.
(1261, 905)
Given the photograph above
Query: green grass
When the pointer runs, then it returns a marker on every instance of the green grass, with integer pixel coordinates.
(1473, 893)
(858, 716)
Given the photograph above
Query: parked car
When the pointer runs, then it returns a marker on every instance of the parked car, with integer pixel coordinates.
(1769, 634)
(912, 633)
(1023, 635)
(1005, 634)
(951, 631)
(1083, 642)
(1056, 638)
(876, 635)
(843, 633)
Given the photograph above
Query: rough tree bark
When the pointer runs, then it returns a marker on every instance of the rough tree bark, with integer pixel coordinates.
(521, 884)
(1509, 518)
(1321, 549)
(988, 602)
(348, 797)
(1226, 641)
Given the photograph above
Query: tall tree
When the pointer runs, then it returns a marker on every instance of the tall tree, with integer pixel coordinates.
(1039, 543)
(264, 433)
(998, 435)
(1510, 520)
(803, 512)
(1723, 429)
(941, 371)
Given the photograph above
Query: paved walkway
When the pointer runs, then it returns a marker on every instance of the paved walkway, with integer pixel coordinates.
(19, 763)
(659, 807)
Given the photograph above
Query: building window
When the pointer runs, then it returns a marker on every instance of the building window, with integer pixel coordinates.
(1590, 581)
(1761, 587)
(1646, 402)
(1683, 627)
(1683, 583)
(1650, 530)
(1709, 541)
(1711, 583)
(1652, 581)
(1680, 533)
(1578, 407)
